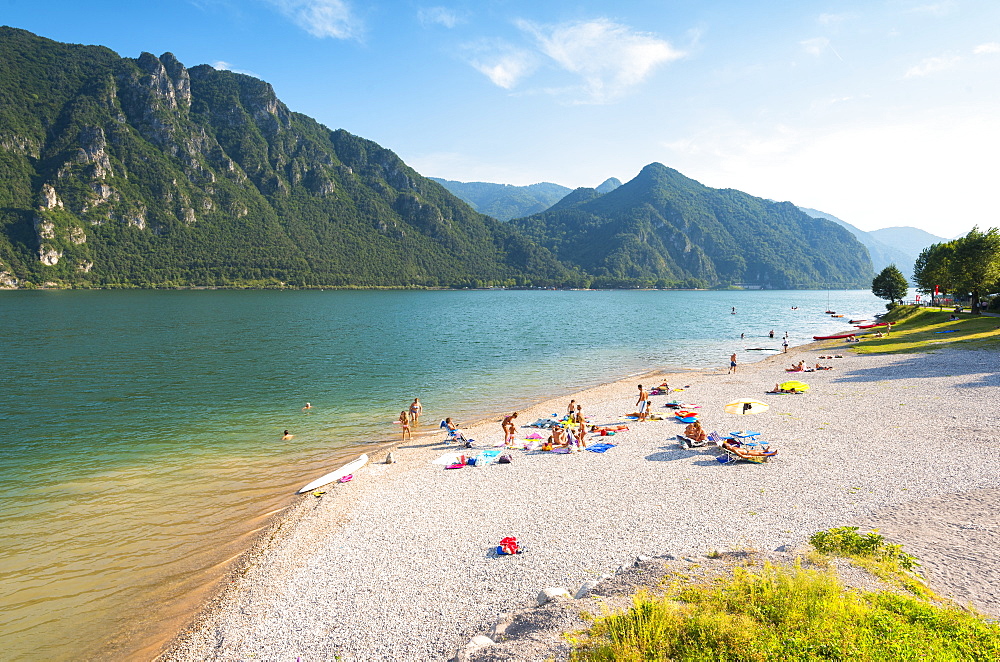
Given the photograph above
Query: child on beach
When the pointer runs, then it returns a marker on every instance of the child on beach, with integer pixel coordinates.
(404, 420)
(509, 429)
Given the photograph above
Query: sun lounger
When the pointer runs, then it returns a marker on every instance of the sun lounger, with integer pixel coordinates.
(688, 442)
(736, 451)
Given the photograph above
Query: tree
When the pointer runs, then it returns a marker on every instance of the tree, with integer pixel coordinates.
(890, 284)
(976, 265)
(932, 271)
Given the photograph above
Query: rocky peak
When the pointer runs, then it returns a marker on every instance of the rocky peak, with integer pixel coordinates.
(180, 77)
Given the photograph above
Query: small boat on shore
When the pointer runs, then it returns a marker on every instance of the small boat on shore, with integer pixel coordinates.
(345, 470)
(857, 321)
(872, 326)
(835, 337)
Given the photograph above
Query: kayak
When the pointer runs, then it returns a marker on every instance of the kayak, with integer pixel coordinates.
(872, 326)
(835, 337)
(857, 321)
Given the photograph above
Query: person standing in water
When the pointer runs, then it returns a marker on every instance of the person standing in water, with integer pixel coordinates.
(415, 409)
(732, 363)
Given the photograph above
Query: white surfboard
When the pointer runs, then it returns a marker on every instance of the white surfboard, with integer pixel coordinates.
(348, 468)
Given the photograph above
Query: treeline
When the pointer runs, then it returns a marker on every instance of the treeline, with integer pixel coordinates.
(965, 267)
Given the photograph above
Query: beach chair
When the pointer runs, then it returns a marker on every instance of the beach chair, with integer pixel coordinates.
(688, 442)
(736, 451)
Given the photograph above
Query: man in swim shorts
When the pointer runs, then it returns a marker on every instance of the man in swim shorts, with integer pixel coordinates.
(643, 403)
(732, 363)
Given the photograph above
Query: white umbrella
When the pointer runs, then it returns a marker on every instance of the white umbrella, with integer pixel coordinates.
(743, 407)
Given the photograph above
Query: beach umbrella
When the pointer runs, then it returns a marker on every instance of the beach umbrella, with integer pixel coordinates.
(742, 407)
(793, 385)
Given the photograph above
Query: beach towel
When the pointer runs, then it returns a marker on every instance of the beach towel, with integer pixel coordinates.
(534, 435)
(600, 448)
(457, 465)
(486, 457)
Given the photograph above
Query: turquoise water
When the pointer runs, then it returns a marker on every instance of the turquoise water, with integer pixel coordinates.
(141, 430)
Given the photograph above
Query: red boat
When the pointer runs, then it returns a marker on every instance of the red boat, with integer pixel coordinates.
(872, 326)
(836, 337)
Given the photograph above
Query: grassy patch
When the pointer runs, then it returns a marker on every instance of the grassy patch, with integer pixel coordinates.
(872, 552)
(925, 329)
(793, 613)
(778, 613)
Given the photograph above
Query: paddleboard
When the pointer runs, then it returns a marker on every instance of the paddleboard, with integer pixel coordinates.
(348, 468)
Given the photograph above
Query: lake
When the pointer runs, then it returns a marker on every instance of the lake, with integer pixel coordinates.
(142, 429)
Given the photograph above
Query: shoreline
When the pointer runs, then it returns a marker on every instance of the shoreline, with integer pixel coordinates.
(285, 533)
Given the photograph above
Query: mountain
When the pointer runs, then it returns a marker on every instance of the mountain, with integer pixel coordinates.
(503, 201)
(910, 240)
(608, 185)
(899, 246)
(141, 172)
(667, 229)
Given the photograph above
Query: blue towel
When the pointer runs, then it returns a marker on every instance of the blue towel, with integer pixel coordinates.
(948, 331)
(600, 448)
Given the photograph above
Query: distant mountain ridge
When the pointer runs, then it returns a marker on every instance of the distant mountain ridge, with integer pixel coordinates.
(897, 245)
(505, 201)
(664, 227)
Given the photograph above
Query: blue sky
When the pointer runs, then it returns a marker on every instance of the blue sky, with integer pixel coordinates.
(883, 112)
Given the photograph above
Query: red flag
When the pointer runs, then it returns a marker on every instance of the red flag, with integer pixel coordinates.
(918, 297)
(936, 292)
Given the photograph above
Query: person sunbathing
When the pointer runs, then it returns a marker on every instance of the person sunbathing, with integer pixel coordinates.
(559, 439)
(695, 432)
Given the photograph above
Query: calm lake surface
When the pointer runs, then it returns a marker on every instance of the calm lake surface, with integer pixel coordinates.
(141, 430)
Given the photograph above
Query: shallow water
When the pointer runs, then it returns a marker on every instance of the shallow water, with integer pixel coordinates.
(141, 430)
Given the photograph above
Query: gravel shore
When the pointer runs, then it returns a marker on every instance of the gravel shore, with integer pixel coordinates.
(396, 564)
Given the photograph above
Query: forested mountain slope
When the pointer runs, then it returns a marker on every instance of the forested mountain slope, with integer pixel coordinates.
(141, 172)
(665, 228)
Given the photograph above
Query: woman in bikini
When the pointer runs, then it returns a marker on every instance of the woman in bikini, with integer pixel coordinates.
(404, 420)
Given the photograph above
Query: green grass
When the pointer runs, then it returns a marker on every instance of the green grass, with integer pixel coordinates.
(792, 613)
(916, 330)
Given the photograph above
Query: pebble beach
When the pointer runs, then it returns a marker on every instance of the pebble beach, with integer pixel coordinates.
(399, 563)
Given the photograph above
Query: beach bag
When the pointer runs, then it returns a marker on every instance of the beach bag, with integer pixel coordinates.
(508, 546)
(505, 459)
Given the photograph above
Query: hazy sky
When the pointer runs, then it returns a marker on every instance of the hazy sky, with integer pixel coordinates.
(881, 112)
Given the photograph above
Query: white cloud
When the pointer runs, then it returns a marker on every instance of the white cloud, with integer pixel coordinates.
(987, 49)
(222, 65)
(609, 57)
(438, 16)
(505, 65)
(833, 19)
(815, 46)
(936, 8)
(322, 18)
(933, 172)
(932, 65)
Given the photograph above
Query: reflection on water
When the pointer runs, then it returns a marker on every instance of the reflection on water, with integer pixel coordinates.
(142, 429)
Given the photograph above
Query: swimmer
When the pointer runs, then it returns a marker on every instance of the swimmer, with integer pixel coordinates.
(415, 409)
(308, 406)
(286, 436)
